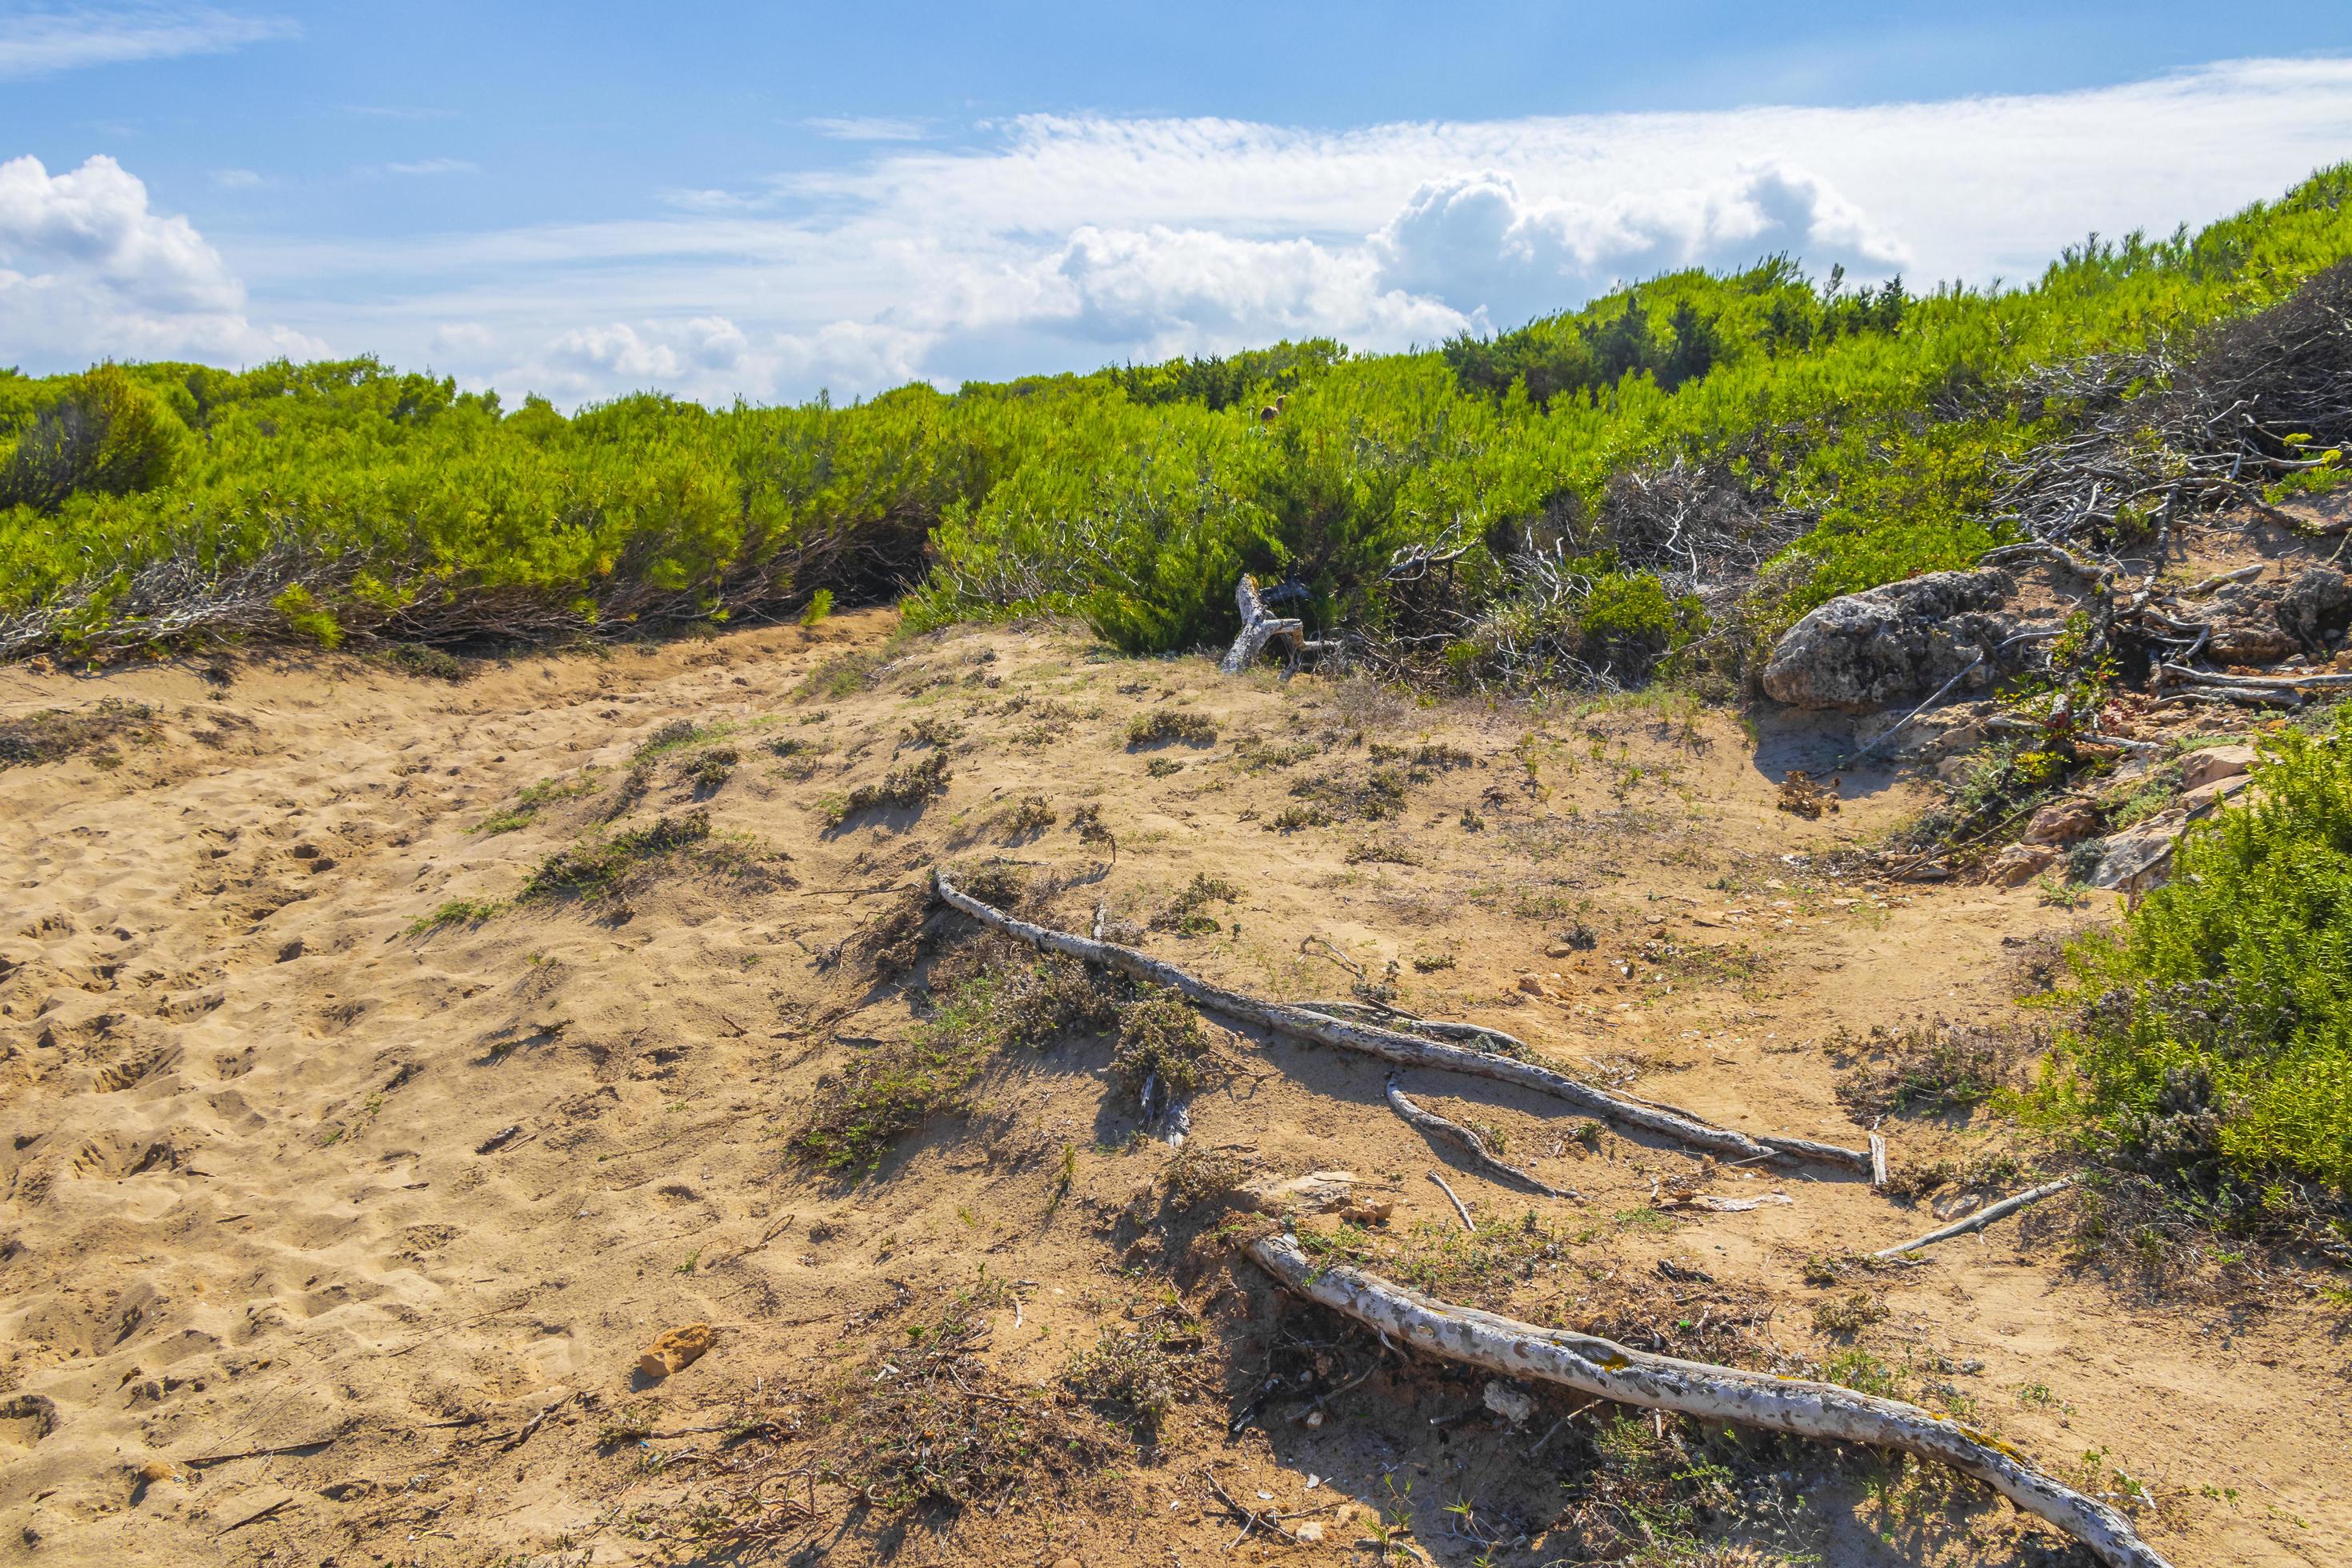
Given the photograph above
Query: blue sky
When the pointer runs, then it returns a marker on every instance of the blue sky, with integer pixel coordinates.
(765, 200)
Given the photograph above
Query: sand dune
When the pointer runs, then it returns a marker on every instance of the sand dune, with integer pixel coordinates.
(310, 1213)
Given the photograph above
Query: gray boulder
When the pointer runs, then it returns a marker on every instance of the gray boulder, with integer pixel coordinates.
(1869, 650)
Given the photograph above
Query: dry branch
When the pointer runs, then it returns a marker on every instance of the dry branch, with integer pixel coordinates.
(1258, 628)
(1981, 1219)
(1598, 1366)
(1432, 1125)
(2315, 681)
(1455, 1199)
(1403, 1049)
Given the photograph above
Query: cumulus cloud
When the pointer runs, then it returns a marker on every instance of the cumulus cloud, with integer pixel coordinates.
(1062, 243)
(87, 269)
(41, 41)
(1475, 243)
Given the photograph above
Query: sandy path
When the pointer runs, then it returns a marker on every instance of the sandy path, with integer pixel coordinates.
(252, 1200)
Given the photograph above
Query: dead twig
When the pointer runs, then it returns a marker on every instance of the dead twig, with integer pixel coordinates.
(1459, 1207)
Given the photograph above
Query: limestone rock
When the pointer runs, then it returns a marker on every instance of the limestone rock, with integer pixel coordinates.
(2141, 856)
(2062, 821)
(1320, 1191)
(2020, 863)
(677, 1350)
(1507, 1402)
(2206, 796)
(1865, 651)
(2198, 769)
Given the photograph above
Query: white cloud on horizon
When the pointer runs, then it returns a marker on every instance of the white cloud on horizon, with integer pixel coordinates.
(88, 269)
(1067, 243)
(426, 168)
(867, 128)
(44, 41)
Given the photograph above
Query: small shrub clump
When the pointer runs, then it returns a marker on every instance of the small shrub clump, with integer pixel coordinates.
(1161, 1039)
(596, 869)
(1164, 724)
(1925, 1070)
(1188, 913)
(912, 786)
(55, 734)
(2212, 1032)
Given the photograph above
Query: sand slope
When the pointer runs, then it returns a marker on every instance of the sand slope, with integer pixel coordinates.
(274, 1286)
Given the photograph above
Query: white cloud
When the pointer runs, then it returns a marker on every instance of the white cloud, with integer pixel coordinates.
(1065, 243)
(236, 179)
(1474, 242)
(39, 42)
(867, 128)
(88, 269)
(428, 167)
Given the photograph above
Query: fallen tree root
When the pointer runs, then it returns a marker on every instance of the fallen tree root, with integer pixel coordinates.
(1436, 1126)
(1981, 1219)
(1403, 1049)
(1601, 1367)
(2315, 681)
(1258, 629)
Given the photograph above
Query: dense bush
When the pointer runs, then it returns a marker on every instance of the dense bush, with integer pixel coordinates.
(2215, 1029)
(1859, 434)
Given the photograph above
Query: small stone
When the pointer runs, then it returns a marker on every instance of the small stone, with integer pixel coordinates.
(1311, 1531)
(1065, 1563)
(1314, 1420)
(677, 1350)
(1509, 1402)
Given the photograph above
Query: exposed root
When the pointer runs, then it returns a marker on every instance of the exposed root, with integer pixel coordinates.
(1403, 1049)
(1432, 1125)
(1711, 1393)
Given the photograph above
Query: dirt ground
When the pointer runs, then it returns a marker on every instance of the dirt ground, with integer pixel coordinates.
(332, 1239)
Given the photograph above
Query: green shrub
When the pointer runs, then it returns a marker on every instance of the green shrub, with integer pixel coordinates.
(2214, 1030)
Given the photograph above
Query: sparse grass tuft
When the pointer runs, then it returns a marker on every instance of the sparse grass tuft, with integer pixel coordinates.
(1130, 1373)
(897, 1087)
(911, 786)
(711, 769)
(1188, 913)
(456, 911)
(1922, 1069)
(427, 663)
(1164, 724)
(544, 794)
(1850, 1314)
(1161, 1038)
(837, 678)
(1032, 815)
(55, 734)
(905, 1431)
(595, 869)
(930, 730)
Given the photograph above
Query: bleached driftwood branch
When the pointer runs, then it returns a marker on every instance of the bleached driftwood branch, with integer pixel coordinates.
(1259, 629)
(1981, 1219)
(1403, 1049)
(1473, 1146)
(1603, 1367)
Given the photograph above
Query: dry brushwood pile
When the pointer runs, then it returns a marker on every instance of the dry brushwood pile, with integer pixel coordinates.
(828, 1095)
